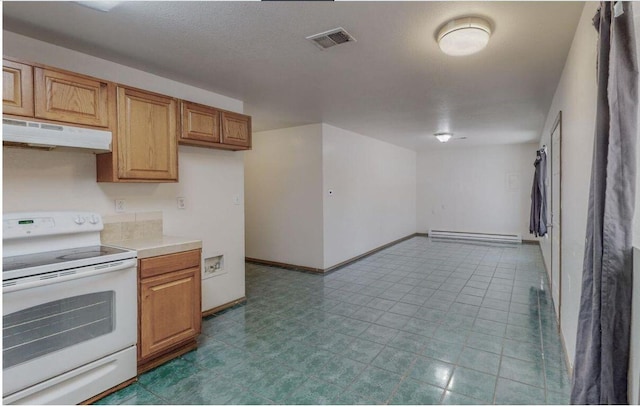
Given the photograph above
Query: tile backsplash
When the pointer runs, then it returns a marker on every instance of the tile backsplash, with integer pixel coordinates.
(129, 226)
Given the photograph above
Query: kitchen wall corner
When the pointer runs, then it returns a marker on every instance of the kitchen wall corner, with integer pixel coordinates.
(210, 180)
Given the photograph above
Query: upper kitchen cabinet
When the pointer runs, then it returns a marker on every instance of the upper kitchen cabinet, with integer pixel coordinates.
(36, 91)
(71, 98)
(145, 148)
(199, 124)
(236, 130)
(17, 88)
(206, 126)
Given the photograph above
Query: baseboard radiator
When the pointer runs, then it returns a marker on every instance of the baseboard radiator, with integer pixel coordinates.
(484, 237)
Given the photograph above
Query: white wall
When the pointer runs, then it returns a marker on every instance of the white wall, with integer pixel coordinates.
(37, 180)
(291, 218)
(575, 96)
(480, 189)
(283, 190)
(374, 193)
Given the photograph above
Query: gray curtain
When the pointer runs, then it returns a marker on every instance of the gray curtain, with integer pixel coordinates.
(602, 345)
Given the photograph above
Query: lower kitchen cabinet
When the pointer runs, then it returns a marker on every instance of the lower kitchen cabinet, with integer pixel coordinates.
(169, 307)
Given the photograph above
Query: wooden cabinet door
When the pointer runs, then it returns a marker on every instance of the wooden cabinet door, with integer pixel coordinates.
(201, 123)
(17, 88)
(71, 98)
(147, 141)
(236, 129)
(169, 310)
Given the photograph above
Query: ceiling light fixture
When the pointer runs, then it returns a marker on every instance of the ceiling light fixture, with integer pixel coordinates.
(99, 5)
(464, 36)
(443, 137)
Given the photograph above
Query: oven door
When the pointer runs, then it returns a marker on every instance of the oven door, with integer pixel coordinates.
(57, 323)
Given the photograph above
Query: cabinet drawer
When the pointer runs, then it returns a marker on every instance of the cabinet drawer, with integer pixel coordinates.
(154, 266)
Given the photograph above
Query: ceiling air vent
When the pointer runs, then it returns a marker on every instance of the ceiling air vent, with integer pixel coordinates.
(331, 38)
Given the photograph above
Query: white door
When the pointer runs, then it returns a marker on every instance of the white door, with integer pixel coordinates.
(555, 214)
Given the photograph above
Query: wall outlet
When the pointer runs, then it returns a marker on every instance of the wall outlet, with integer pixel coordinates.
(213, 266)
(236, 199)
(120, 205)
(181, 202)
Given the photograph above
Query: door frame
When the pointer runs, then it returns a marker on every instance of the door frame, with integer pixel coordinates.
(557, 125)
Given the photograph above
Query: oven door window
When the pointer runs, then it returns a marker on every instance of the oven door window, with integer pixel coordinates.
(33, 332)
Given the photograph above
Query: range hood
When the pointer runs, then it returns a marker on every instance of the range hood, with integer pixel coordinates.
(23, 133)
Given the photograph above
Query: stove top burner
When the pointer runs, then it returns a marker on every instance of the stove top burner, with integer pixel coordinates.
(84, 255)
(59, 257)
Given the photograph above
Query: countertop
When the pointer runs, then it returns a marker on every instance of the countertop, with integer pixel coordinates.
(151, 247)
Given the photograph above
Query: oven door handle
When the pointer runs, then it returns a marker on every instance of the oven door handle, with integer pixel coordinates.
(66, 275)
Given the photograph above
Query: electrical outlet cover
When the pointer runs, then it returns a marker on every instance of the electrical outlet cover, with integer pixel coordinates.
(120, 205)
(213, 266)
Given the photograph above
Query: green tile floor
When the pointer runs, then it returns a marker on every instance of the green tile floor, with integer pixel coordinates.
(422, 322)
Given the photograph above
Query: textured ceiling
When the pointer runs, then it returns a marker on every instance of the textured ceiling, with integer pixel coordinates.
(393, 83)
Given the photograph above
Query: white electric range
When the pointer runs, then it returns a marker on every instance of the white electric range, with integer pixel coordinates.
(69, 316)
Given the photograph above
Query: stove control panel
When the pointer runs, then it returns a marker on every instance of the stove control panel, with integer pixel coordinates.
(28, 224)
(32, 224)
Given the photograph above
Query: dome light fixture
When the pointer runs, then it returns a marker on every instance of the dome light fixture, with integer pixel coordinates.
(464, 36)
(443, 137)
